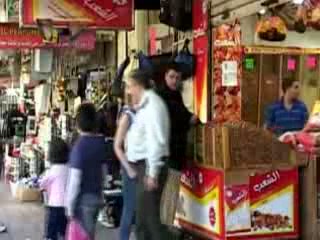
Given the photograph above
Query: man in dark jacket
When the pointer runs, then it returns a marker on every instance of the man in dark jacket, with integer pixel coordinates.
(181, 118)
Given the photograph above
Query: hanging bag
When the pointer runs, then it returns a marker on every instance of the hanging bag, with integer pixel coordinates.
(176, 13)
(145, 63)
(185, 60)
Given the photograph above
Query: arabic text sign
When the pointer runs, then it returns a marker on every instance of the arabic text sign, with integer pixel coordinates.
(13, 37)
(116, 14)
(200, 207)
(275, 195)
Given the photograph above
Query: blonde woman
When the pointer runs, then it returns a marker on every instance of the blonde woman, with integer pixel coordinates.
(124, 149)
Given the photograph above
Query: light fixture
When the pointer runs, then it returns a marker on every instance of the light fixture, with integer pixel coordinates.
(262, 11)
(298, 2)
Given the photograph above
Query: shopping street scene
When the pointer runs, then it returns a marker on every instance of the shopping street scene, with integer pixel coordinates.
(159, 119)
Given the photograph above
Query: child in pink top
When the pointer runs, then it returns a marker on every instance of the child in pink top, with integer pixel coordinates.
(54, 182)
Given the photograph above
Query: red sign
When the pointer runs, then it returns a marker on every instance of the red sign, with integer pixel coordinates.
(265, 185)
(200, 16)
(200, 205)
(153, 41)
(236, 195)
(104, 14)
(13, 37)
(200, 83)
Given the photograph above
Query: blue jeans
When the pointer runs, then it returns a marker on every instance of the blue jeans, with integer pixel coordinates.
(129, 205)
(87, 211)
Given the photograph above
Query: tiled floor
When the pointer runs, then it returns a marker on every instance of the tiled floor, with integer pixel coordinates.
(25, 221)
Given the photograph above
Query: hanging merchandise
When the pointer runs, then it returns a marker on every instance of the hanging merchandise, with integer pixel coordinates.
(117, 84)
(186, 61)
(272, 29)
(176, 13)
(133, 64)
(145, 63)
(315, 18)
(61, 88)
(48, 33)
(300, 24)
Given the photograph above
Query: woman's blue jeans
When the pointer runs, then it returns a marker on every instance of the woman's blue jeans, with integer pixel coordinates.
(129, 205)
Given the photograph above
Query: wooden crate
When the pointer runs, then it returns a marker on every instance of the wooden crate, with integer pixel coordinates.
(310, 229)
(243, 146)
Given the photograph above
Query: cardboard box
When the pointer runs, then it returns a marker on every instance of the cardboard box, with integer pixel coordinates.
(237, 209)
(200, 206)
(248, 204)
(24, 194)
(28, 195)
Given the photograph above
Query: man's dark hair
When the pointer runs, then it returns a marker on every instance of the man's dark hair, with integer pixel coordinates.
(173, 66)
(87, 118)
(287, 83)
(142, 78)
(58, 151)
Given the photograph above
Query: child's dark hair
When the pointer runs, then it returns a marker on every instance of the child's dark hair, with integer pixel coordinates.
(86, 119)
(58, 151)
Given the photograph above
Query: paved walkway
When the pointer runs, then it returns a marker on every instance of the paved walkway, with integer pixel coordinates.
(25, 220)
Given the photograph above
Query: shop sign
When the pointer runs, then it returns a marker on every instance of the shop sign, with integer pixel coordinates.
(11, 36)
(200, 83)
(200, 16)
(200, 207)
(274, 203)
(249, 63)
(227, 35)
(116, 14)
(12, 7)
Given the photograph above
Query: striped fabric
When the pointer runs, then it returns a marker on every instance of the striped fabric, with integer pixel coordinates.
(281, 120)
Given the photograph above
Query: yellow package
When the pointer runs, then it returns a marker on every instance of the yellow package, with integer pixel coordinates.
(316, 108)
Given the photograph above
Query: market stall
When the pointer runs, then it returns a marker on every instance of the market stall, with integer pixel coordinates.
(245, 183)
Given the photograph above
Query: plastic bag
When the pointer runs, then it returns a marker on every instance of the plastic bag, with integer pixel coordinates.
(308, 139)
(76, 232)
